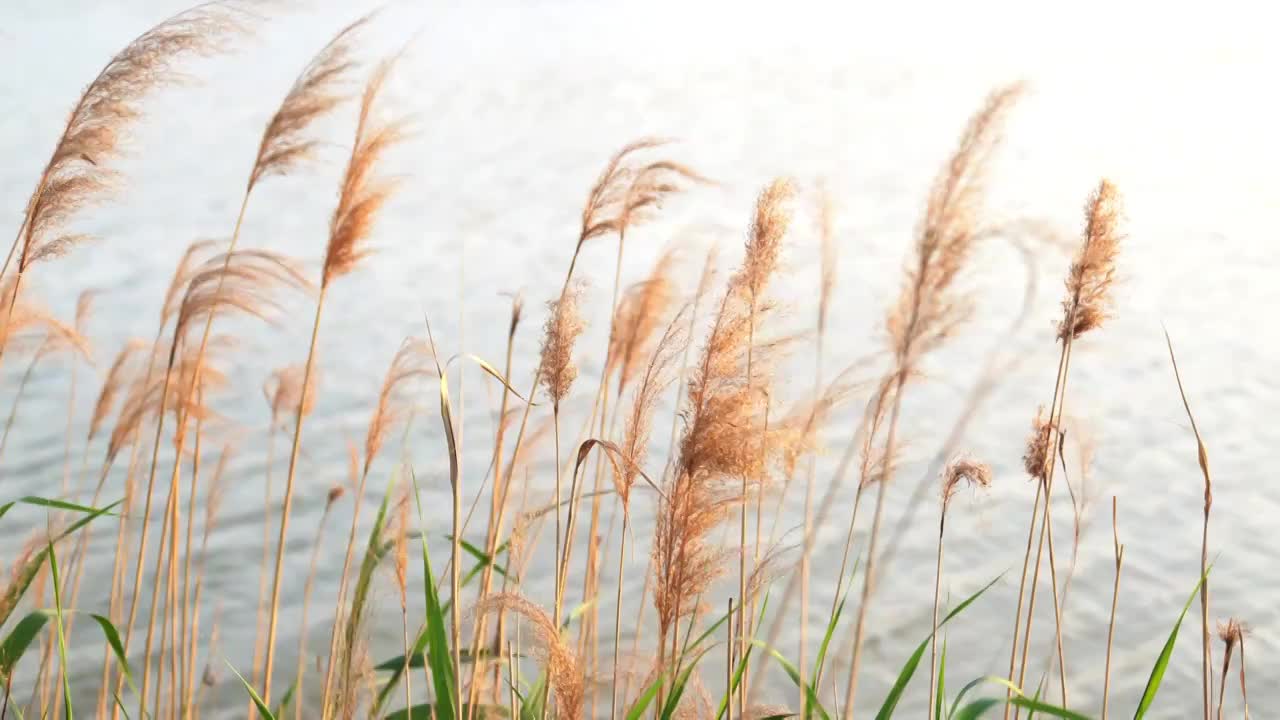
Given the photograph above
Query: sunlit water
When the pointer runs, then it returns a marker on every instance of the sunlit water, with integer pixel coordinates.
(515, 110)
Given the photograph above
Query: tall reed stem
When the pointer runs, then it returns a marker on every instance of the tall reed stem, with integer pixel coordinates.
(272, 615)
(1115, 599)
(264, 565)
(617, 615)
(299, 677)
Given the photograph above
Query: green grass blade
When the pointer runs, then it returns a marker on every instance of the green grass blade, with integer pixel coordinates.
(820, 661)
(794, 673)
(20, 638)
(646, 698)
(282, 710)
(682, 681)
(994, 679)
(439, 658)
(396, 666)
(942, 682)
(976, 709)
(913, 662)
(1162, 662)
(62, 638)
(531, 708)
(117, 647)
(263, 710)
(1035, 705)
(427, 711)
(24, 576)
(54, 504)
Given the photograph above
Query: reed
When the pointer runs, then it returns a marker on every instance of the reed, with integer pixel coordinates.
(1202, 455)
(927, 312)
(361, 196)
(1115, 600)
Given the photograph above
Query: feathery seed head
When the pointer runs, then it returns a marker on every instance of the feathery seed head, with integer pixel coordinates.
(561, 331)
(1093, 270)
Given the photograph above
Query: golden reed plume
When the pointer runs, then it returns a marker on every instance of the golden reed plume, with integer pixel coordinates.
(724, 439)
(563, 326)
(638, 317)
(77, 174)
(560, 661)
(363, 192)
(1094, 267)
(316, 92)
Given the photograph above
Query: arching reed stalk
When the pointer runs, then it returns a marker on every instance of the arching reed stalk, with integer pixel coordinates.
(1115, 600)
(78, 174)
(959, 471)
(361, 197)
(1085, 308)
(213, 503)
(927, 311)
(657, 377)
(284, 394)
(1203, 458)
(335, 493)
(412, 362)
(560, 662)
(242, 282)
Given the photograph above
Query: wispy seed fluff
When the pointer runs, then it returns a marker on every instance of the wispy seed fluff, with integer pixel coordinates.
(561, 331)
(1038, 457)
(964, 470)
(1093, 270)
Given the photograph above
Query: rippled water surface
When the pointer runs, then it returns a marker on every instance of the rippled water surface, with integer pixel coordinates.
(515, 108)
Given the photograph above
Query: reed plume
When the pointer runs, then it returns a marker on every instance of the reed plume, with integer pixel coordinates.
(638, 318)
(561, 663)
(929, 309)
(961, 471)
(78, 174)
(362, 194)
(723, 442)
(557, 371)
(1085, 308)
(413, 361)
(1231, 633)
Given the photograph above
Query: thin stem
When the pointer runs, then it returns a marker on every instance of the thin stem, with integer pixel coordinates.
(617, 616)
(1115, 599)
(307, 587)
(869, 575)
(288, 504)
(263, 567)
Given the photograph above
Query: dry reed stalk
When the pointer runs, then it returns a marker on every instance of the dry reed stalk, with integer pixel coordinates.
(498, 508)
(335, 493)
(77, 174)
(657, 377)
(928, 311)
(284, 394)
(721, 448)
(56, 341)
(213, 504)
(236, 281)
(400, 537)
(412, 362)
(602, 214)
(563, 670)
(1244, 693)
(1115, 599)
(975, 475)
(1203, 458)
(1085, 308)
(363, 194)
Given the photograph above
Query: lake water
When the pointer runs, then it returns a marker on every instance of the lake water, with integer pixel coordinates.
(515, 109)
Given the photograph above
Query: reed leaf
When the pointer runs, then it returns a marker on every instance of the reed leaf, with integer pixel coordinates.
(263, 711)
(1162, 661)
(437, 639)
(909, 669)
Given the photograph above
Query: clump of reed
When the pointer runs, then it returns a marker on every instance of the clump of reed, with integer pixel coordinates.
(733, 444)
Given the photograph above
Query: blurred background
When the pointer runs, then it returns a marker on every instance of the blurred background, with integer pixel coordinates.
(516, 107)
